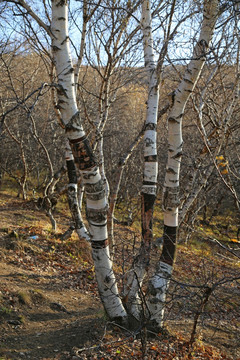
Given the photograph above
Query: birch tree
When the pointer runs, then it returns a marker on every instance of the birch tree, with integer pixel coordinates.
(215, 109)
(154, 69)
(93, 178)
(96, 201)
(160, 281)
(150, 172)
(80, 154)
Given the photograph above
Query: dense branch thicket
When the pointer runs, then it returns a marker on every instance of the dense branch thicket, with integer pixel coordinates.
(90, 74)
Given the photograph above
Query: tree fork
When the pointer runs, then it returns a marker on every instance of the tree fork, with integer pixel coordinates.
(159, 283)
(84, 159)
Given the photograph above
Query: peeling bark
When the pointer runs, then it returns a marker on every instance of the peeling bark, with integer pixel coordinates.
(150, 172)
(160, 281)
(96, 201)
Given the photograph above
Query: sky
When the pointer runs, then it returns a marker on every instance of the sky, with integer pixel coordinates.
(180, 49)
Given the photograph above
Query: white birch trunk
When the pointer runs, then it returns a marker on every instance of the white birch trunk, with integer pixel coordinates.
(150, 172)
(82, 152)
(72, 192)
(160, 281)
(150, 136)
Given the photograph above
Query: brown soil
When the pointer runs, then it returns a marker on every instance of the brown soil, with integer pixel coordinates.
(49, 305)
(43, 312)
(46, 318)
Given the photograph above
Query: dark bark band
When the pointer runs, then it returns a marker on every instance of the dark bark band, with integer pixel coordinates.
(99, 244)
(169, 244)
(83, 153)
(72, 174)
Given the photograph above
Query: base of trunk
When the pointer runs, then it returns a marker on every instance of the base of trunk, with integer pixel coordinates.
(157, 292)
(107, 286)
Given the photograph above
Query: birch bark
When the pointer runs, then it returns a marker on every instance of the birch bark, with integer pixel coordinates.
(159, 283)
(150, 172)
(73, 195)
(96, 202)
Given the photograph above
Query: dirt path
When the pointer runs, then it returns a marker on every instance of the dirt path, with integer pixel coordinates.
(46, 308)
(42, 318)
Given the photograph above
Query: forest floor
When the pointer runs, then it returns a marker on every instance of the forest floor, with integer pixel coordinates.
(50, 308)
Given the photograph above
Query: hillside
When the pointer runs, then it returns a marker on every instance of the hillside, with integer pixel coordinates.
(50, 309)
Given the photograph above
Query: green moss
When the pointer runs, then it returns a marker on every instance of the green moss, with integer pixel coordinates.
(5, 311)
